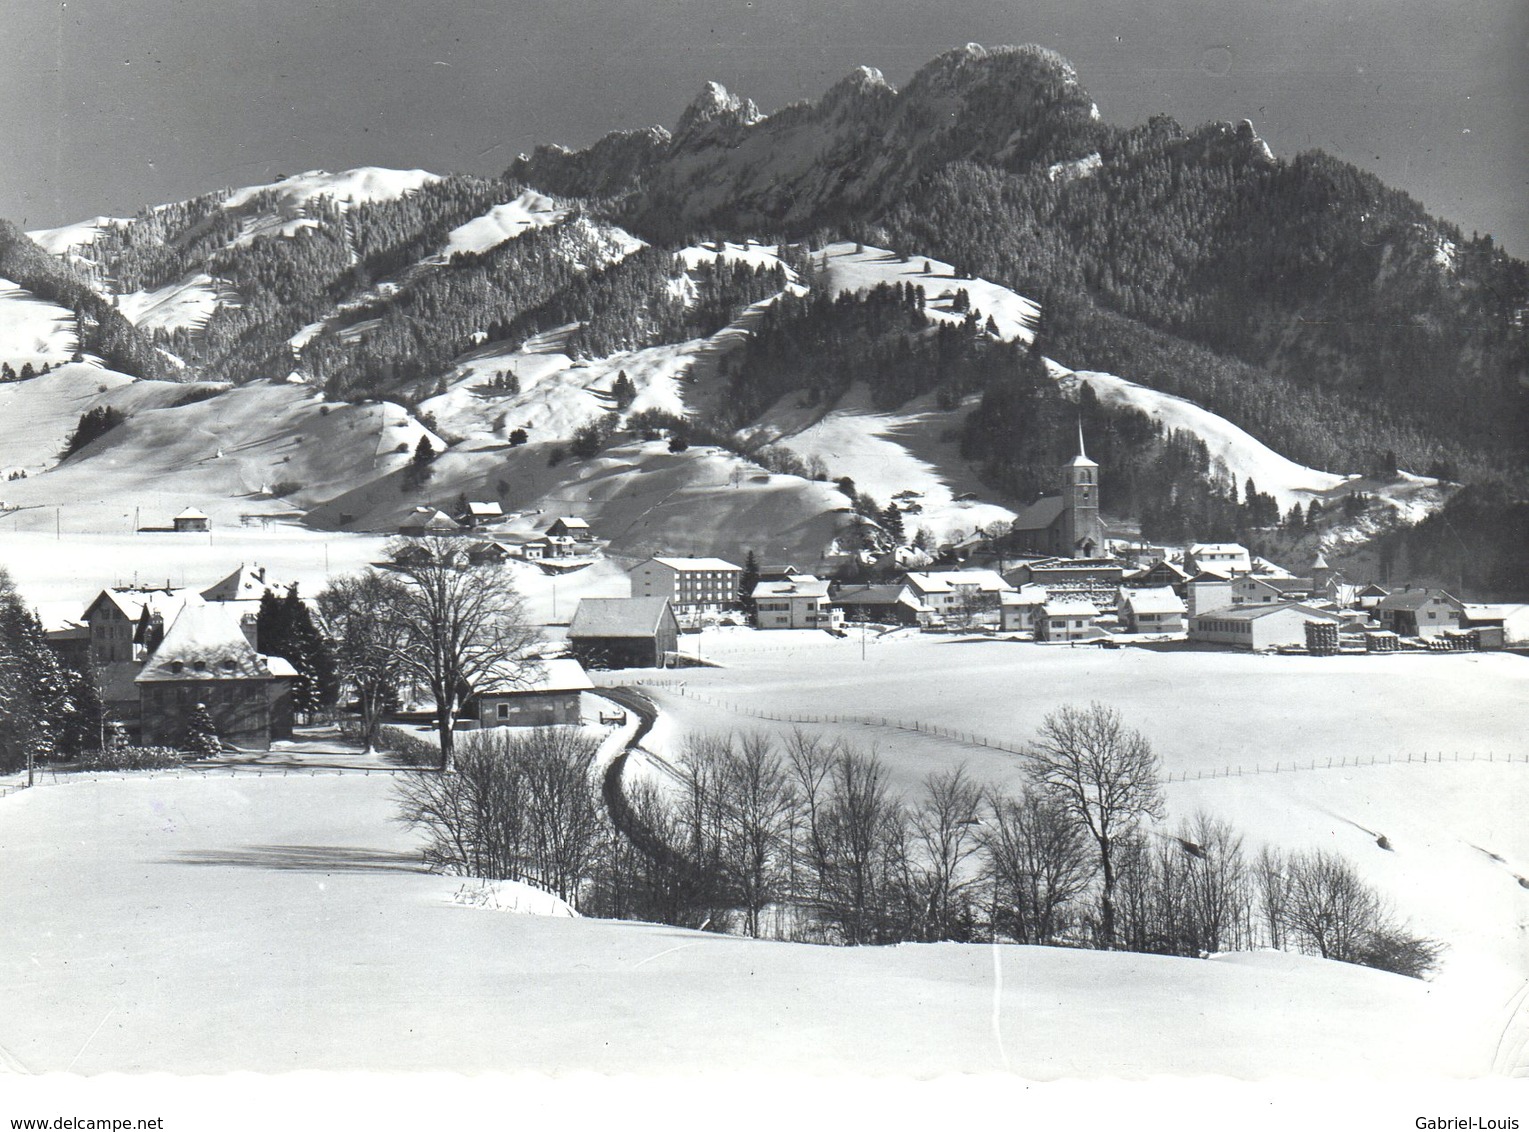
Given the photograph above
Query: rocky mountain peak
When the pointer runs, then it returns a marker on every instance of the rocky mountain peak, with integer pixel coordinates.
(715, 110)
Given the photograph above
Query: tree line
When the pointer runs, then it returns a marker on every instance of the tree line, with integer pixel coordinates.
(806, 839)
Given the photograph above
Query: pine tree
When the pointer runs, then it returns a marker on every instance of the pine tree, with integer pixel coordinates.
(202, 734)
(747, 580)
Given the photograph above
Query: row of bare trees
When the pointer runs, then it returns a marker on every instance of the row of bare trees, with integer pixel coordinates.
(806, 839)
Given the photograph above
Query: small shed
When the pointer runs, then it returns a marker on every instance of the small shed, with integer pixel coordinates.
(191, 520)
(547, 696)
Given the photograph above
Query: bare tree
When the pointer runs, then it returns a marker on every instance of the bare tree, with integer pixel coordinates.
(861, 848)
(465, 626)
(944, 827)
(360, 615)
(1038, 863)
(1106, 775)
(758, 825)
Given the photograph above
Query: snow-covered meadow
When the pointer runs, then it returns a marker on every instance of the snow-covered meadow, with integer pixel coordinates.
(208, 923)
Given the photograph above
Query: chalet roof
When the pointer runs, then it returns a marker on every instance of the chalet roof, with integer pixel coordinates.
(1039, 515)
(1405, 600)
(1495, 611)
(1265, 609)
(190, 513)
(1070, 607)
(617, 617)
(434, 521)
(279, 666)
(205, 643)
(1373, 589)
(947, 581)
(247, 583)
(485, 510)
(876, 595)
(561, 675)
(798, 585)
(1218, 549)
(1210, 576)
(684, 565)
(572, 522)
(1163, 566)
(1157, 599)
(1031, 593)
(1282, 585)
(131, 602)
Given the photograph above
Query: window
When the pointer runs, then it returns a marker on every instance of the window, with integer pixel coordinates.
(504, 711)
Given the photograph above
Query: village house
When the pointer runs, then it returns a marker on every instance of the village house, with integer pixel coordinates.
(959, 597)
(533, 550)
(1155, 610)
(892, 604)
(1419, 612)
(480, 514)
(429, 521)
(799, 602)
(569, 527)
(1067, 619)
(549, 695)
(1222, 557)
(696, 586)
(624, 632)
(1370, 595)
(1207, 590)
(116, 620)
(1258, 627)
(191, 520)
(1497, 625)
(1161, 573)
(206, 658)
(487, 554)
(1017, 609)
(1251, 589)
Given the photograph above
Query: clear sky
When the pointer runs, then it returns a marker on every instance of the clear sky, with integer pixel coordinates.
(108, 105)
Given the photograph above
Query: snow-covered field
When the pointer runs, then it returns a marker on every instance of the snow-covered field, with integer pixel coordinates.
(207, 924)
(1458, 842)
(33, 331)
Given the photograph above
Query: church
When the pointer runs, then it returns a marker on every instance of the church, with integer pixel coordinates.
(1066, 525)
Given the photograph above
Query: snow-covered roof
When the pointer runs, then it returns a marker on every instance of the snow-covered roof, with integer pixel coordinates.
(132, 602)
(561, 675)
(572, 522)
(1218, 550)
(1414, 599)
(205, 643)
(1156, 599)
(1031, 593)
(947, 581)
(798, 585)
(435, 521)
(247, 583)
(279, 666)
(617, 617)
(488, 510)
(687, 564)
(1254, 612)
(190, 513)
(1070, 607)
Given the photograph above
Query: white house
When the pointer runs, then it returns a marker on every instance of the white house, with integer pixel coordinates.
(960, 596)
(1258, 626)
(1222, 557)
(799, 602)
(692, 585)
(1154, 610)
(1017, 609)
(1066, 619)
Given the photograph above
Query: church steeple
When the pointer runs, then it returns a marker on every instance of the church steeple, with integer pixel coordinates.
(1082, 533)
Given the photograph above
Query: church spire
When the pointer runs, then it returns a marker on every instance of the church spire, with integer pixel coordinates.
(1081, 451)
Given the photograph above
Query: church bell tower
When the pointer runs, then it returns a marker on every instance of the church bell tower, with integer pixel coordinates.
(1082, 533)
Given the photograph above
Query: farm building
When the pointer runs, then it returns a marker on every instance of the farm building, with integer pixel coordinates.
(549, 695)
(1251, 589)
(799, 602)
(1498, 626)
(480, 513)
(428, 521)
(694, 585)
(206, 658)
(1161, 573)
(486, 554)
(571, 527)
(191, 520)
(1156, 610)
(624, 632)
(1419, 612)
(881, 605)
(1258, 626)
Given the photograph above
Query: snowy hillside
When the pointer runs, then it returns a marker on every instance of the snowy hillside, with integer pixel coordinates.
(313, 867)
(33, 331)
